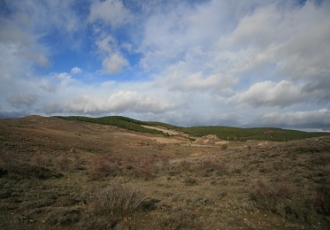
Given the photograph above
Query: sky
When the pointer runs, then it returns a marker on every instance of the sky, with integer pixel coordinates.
(243, 63)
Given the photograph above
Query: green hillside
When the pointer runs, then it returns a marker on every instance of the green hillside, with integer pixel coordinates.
(244, 134)
(223, 132)
(119, 121)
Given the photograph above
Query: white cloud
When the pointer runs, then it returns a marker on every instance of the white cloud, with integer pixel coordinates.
(189, 62)
(114, 63)
(20, 99)
(269, 93)
(75, 70)
(112, 12)
(106, 44)
(118, 102)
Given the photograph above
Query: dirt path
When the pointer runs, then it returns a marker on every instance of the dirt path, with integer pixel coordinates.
(170, 132)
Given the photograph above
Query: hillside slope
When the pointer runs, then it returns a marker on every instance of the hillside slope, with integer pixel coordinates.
(60, 174)
(222, 132)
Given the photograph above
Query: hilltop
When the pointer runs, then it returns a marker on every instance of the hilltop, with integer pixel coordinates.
(222, 132)
(89, 173)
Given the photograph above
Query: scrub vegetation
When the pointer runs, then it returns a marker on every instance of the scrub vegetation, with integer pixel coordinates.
(72, 174)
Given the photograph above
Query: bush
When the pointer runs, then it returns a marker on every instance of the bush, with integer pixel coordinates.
(180, 220)
(224, 147)
(116, 200)
(190, 181)
(102, 166)
(62, 163)
(63, 216)
(146, 168)
(322, 200)
(268, 195)
(219, 168)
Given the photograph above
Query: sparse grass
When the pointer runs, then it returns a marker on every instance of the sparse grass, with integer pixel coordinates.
(70, 181)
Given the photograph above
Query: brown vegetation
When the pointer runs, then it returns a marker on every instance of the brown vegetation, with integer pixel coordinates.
(57, 174)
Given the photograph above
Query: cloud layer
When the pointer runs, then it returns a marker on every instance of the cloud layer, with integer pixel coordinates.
(240, 63)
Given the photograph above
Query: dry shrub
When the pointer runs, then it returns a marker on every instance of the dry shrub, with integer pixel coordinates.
(41, 160)
(32, 171)
(185, 165)
(78, 163)
(322, 200)
(320, 159)
(268, 195)
(237, 222)
(63, 216)
(219, 168)
(190, 181)
(116, 200)
(224, 146)
(102, 166)
(63, 163)
(146, 168)
(7, 160)
(180, 220)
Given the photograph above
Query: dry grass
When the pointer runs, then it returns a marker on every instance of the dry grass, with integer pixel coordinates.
(85, 181)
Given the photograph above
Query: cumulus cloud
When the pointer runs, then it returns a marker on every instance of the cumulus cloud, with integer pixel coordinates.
(114, 63)
(112, 12)
(268, 93)
(19, 49)
(120, 101)
(20, 99)
(75, 70)
(185, 62)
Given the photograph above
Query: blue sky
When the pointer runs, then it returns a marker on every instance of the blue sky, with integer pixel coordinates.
(209, 62)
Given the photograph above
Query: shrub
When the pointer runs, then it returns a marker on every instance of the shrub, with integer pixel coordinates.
(322, 200)
(146, 168)
(63, 216)
(185, 165)
(224, 146)
(206, 167)
(180, 220)
(221, 168)
(101, 166)
(268, 195)
(116, 200)
(62, 163)
(190, 181)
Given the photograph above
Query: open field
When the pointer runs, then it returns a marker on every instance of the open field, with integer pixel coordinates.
(69, 174)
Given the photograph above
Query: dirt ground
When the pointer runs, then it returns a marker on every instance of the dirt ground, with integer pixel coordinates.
(57, 174)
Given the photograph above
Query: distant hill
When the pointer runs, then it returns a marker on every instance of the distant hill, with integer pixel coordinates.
(223, 132)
